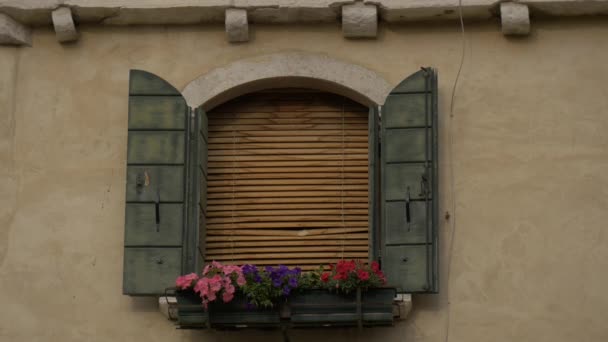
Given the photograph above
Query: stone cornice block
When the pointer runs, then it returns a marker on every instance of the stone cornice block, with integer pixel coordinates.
(515, 19)
(237, 26)
(65, 29)
(359, 21)
(13, 33)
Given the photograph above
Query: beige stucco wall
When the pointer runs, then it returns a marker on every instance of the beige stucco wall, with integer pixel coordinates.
(530, 159)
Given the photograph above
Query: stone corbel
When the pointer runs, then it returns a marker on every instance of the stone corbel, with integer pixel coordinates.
(237, 26)
(13, 33)
(359, 20)
(515, 19)
(65, 30)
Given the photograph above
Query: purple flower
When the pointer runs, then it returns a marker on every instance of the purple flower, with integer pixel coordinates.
(286, 290)
(293, 282)
(249, 269)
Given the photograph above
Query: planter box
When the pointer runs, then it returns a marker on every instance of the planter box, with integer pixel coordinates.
(220, 315)
(236, 314)
(190, 311)
(323, 308)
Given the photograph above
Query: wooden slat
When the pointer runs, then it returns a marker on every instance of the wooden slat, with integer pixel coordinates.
(274, 181)
(279, 200)
(228, 120)
(272, 212)
(284, 249)
(285, 225)
(325, 255)
(298, 243)
(292, 157)
(332, 169)
(289, 175)
(297, 163)
(302, 219)
(291, 133)
(334, 232)
(266, 194)
(348, 235)
(304, 264)
(287, 115)
(287, 151)
(286, 206)
(248, 188)
(283, 145)
(312, 128)
(292, 139)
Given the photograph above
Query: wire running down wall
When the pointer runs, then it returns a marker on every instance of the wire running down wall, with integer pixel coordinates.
(288, 179)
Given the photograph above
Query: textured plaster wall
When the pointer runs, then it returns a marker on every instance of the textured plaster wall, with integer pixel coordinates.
(530, 160)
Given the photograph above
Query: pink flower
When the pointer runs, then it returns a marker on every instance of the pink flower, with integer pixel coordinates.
(215, 283)
(202, 286)
(227, 297)
(185, 281)
(241, 280)
(206, 269)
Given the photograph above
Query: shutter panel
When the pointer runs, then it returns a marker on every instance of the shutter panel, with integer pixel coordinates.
(409, 184)
(156, 179)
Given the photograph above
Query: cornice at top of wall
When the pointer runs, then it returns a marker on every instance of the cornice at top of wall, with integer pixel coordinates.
(130, 12)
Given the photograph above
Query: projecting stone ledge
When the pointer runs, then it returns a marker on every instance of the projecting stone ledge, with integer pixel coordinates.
(13, 33)
(359, 21)
(64, 25)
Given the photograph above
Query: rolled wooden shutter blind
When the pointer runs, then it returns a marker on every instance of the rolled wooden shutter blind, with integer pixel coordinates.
(287, 179)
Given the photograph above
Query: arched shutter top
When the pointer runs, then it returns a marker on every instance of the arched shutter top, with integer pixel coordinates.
(415, 83)
(145, 83)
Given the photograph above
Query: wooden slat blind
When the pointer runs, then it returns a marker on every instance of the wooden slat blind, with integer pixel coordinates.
(288, 179)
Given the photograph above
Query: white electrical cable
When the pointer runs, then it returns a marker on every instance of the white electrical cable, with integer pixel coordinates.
(452, 191)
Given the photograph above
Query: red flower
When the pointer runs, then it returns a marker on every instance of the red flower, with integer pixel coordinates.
(325, 277)
(363, 275)
(340, 276)
(375, 267)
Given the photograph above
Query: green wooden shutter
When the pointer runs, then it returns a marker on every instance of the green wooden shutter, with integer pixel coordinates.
(409, 184)
(156, 206)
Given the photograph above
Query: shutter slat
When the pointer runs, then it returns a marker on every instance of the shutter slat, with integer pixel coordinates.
(409, 184)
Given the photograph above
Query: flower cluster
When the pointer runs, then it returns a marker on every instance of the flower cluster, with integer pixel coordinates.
(217, 280)
(263, 287)
(346, 276)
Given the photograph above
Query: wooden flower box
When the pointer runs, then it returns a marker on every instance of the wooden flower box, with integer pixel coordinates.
(323, 308)
(219, 315)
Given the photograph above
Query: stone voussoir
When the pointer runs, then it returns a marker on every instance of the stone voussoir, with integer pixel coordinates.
(515, 19)
(13, 33)
(359, 21)
(237, 27)
(65, 29)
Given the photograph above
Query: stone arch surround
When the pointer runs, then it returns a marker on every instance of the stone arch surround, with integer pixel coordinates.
(286, 70)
